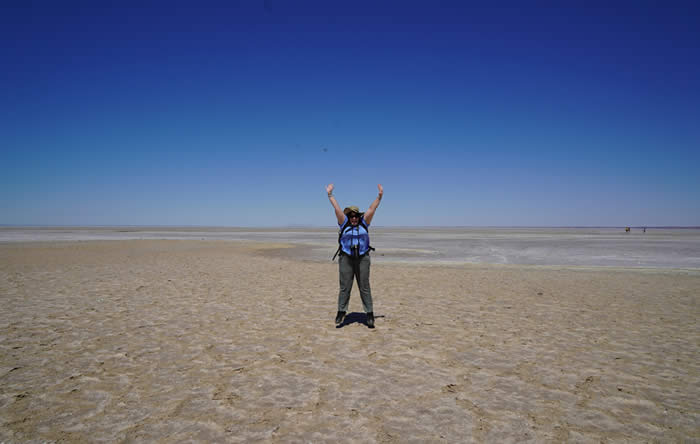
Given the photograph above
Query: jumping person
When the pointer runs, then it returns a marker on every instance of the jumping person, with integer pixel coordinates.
(354, 261)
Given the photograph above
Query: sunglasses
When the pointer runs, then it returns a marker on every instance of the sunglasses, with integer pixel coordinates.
(350, 216)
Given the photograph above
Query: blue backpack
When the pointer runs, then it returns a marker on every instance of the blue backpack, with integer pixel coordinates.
(342, 231)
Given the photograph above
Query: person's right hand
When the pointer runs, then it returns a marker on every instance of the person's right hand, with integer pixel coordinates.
(330, 188)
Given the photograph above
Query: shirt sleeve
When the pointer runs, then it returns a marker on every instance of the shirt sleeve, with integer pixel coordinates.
(344, 221)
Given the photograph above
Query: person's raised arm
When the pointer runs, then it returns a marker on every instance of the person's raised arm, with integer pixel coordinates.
(338, 212)
(369, 214)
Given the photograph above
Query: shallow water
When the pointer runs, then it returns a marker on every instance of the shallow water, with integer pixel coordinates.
(610, 247)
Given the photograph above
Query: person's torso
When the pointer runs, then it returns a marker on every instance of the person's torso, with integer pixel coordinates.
(356, 235)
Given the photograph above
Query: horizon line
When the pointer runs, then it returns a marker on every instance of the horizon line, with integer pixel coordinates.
(328, 226)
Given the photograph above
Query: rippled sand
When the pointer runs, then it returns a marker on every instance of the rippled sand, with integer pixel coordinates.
(234, 342)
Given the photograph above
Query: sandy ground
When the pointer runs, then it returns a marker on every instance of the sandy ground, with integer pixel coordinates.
(234, 342)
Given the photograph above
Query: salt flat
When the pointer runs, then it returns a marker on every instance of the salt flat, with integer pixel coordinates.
(234, 341)
(611, 247)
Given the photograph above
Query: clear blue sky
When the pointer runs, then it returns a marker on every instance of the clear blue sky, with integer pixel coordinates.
(238, 113)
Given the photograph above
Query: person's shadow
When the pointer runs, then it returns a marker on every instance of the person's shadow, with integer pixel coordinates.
(356, 318)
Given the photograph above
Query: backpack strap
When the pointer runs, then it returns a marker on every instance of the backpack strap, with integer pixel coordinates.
(362, 222)
(340, 235)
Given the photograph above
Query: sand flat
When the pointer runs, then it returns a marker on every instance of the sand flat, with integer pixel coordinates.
(582, 247)
(183, 340)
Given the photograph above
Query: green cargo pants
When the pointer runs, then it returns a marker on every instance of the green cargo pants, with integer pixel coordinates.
(360, 271)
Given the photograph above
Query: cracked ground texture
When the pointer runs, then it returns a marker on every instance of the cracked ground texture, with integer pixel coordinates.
(172, 341)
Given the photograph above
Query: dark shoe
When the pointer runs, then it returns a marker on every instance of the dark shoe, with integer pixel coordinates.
(339, 318)
(370, 320)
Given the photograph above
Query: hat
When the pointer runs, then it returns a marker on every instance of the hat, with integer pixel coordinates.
(352, 209)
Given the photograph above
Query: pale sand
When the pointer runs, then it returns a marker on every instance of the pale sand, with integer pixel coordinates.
(234, 342)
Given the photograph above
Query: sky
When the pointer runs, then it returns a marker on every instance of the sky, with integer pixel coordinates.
(239, 113)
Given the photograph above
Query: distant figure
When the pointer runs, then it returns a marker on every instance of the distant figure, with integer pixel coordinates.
(627, 229)
(354, 251)
(644, 230)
